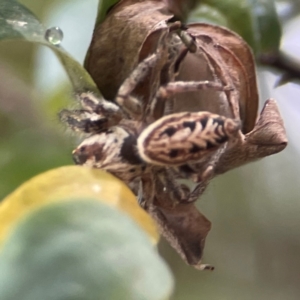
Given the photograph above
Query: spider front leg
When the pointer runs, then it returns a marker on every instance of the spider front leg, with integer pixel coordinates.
(130, 104)
(187, 39)
(96, 116)
(83, 121)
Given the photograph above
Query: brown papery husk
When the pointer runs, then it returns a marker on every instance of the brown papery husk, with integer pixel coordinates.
(130, 32)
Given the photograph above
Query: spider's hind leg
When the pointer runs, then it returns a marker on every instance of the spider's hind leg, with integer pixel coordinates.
(200, 187)
(177, 87)
(204, 177)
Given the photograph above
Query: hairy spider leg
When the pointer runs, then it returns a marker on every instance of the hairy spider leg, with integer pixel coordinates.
(146, 191)
(176, 87)
(204, 178)
(187, 39)
(82, 120)
(96, 116)
(174, 188)
(166, 177)
(180, 193)
(130, 104)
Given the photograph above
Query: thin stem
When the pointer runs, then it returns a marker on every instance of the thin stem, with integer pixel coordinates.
(280, 61)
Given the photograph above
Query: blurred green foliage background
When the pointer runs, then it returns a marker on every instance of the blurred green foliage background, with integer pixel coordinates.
(255, 210)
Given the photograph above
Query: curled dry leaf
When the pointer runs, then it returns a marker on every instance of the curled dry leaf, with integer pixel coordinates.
(131, 32)
(183, 226)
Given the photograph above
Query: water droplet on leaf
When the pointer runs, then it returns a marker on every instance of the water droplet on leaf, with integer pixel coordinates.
(54, 35)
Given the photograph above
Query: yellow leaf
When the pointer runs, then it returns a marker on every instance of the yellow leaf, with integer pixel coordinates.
(72, 182)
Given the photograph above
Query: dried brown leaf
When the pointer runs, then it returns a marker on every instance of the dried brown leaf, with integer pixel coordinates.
(117, 42)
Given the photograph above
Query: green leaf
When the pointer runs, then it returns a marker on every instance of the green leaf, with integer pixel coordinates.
(255, 20)
(103, 7)
(70, 182)
(207, 14)
(237, 13)
(266, 25)
(18, 23)
(21, 160)
(81, 249)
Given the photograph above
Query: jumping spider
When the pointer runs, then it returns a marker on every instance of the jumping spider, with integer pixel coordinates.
(133, 142)
(141, 145)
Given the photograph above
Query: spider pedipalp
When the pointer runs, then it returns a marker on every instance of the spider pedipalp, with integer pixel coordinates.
(96, 114)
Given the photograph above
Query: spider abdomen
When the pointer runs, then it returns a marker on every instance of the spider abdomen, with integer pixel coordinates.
(178, 138)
